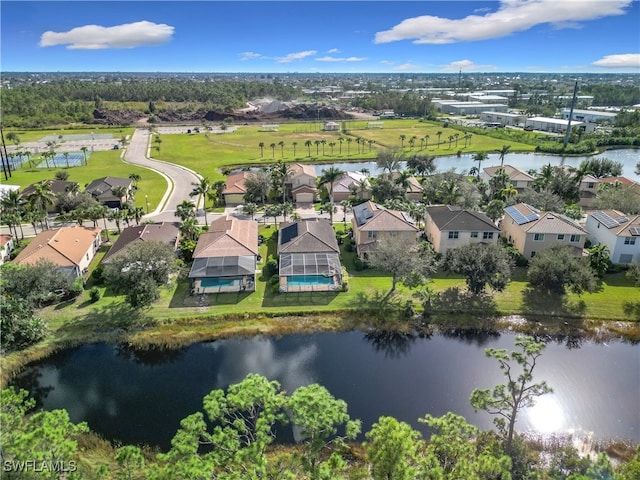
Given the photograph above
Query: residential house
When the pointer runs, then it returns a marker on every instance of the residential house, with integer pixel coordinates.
(309, 256)
(624, 181)
(301, 185)
(102, 190)
(619, 232)
(6, 247)
(518, 179)
(58, 187)
(413, 191)
(235, 189)
(350, 183)
(532, 231)
(163, 232)
(372, 223)
(225, 257)
(448, 227)
(587, 189)
(71, 249)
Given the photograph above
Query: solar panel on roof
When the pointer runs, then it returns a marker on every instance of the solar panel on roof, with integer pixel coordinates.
(519, 217)
(605, 219)
(635, 231)
(288, 233)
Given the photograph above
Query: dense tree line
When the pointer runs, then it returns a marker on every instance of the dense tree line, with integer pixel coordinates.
(74, 101)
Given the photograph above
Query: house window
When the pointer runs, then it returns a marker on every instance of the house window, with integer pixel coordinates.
(474, 234)
(453, 235)
(591, 185)
(629, 240)
(575, 238)
(561, 236)
(372, 235)
(626, 258)
(487, 235)
(538, 237)
(533, 254)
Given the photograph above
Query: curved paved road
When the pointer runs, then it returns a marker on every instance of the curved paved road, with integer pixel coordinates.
(179, 179)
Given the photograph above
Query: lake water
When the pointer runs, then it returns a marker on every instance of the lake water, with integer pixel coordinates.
(140, 397)
(524, 161)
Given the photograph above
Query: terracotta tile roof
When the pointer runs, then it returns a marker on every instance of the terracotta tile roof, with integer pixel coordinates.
(64, 247)
(165, 232)
(4, 239)
(414, 185)
(448, 218)
(228, 237)
(344, 183)
(312, 235)
(513, 173)
(235, 183)
(301, 168)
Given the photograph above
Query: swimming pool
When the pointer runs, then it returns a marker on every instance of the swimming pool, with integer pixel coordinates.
(308, 280)
(220, 282)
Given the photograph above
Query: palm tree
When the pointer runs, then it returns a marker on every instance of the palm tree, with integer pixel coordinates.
(135, 178)
(389, 160)
(190, 229)
(42, 197)
(121, 192)
(330, 176)
(200, 190)
(84, 152)
(308, 144)
(12, 209)
(450, 192)
(137, 213)
(66, 158)
(281, 144)
(456, 136)
(281, 173)
(370, 142)
(261, 146)
(349, 140)
(317, 144)
(273, 151)
(331, 145)
(185, 209)
(508, 192)
(543, 179)
(323, 142)
(340, 140)
(294, 144)
(346, 207)
(286, 209)
(450, 140)
(47, 156)
(250, 208)
(331, 208)
(503, 151)
(402, 138)
(480, 157)
(439, 133)
(273, 211)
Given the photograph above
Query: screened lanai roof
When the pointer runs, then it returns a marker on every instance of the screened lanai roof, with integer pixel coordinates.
(309, 264)
(223, 266)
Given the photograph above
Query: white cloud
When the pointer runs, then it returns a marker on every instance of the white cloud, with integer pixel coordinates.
(250, 56)
(95, 37)
(512, 16)
(333, 50)
(387, 62)
(466, 66)
(339, 59)
(624, 60)
(408, 66)
(296, 56)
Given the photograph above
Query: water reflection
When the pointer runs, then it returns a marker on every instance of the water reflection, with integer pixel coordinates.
(141, 399)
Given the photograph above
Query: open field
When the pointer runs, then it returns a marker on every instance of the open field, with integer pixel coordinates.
(99, 164)
(209, 153)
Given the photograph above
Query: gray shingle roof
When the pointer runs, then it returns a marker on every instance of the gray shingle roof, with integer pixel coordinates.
(448, 218)
(307, 236)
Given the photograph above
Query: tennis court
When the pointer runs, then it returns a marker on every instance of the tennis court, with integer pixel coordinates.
(77, 136)
(16, 161)
(68, 159)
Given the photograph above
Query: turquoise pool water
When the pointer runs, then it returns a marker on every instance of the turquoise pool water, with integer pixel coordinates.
(308, 280)
(220, 282)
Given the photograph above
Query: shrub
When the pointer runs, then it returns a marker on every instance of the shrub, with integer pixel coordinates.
(94, 294)
(270, 268)
(358, 264)
(97, 274)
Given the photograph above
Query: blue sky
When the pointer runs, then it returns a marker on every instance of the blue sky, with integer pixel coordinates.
(327, 36)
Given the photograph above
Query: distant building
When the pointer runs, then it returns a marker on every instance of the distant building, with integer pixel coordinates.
(590, 116)
(519, 179)
(551, 125)
(504, 118)
(331, 127)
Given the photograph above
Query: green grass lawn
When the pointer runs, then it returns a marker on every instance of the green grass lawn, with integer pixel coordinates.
(210, 153)
(26, 135)
(100, 164)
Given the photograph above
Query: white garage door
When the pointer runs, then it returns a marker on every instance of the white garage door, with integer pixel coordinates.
(304, 198)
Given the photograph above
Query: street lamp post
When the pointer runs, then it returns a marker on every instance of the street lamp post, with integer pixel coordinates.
(146, 197)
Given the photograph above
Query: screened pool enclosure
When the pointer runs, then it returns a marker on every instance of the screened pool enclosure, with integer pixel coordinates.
(305, 272)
